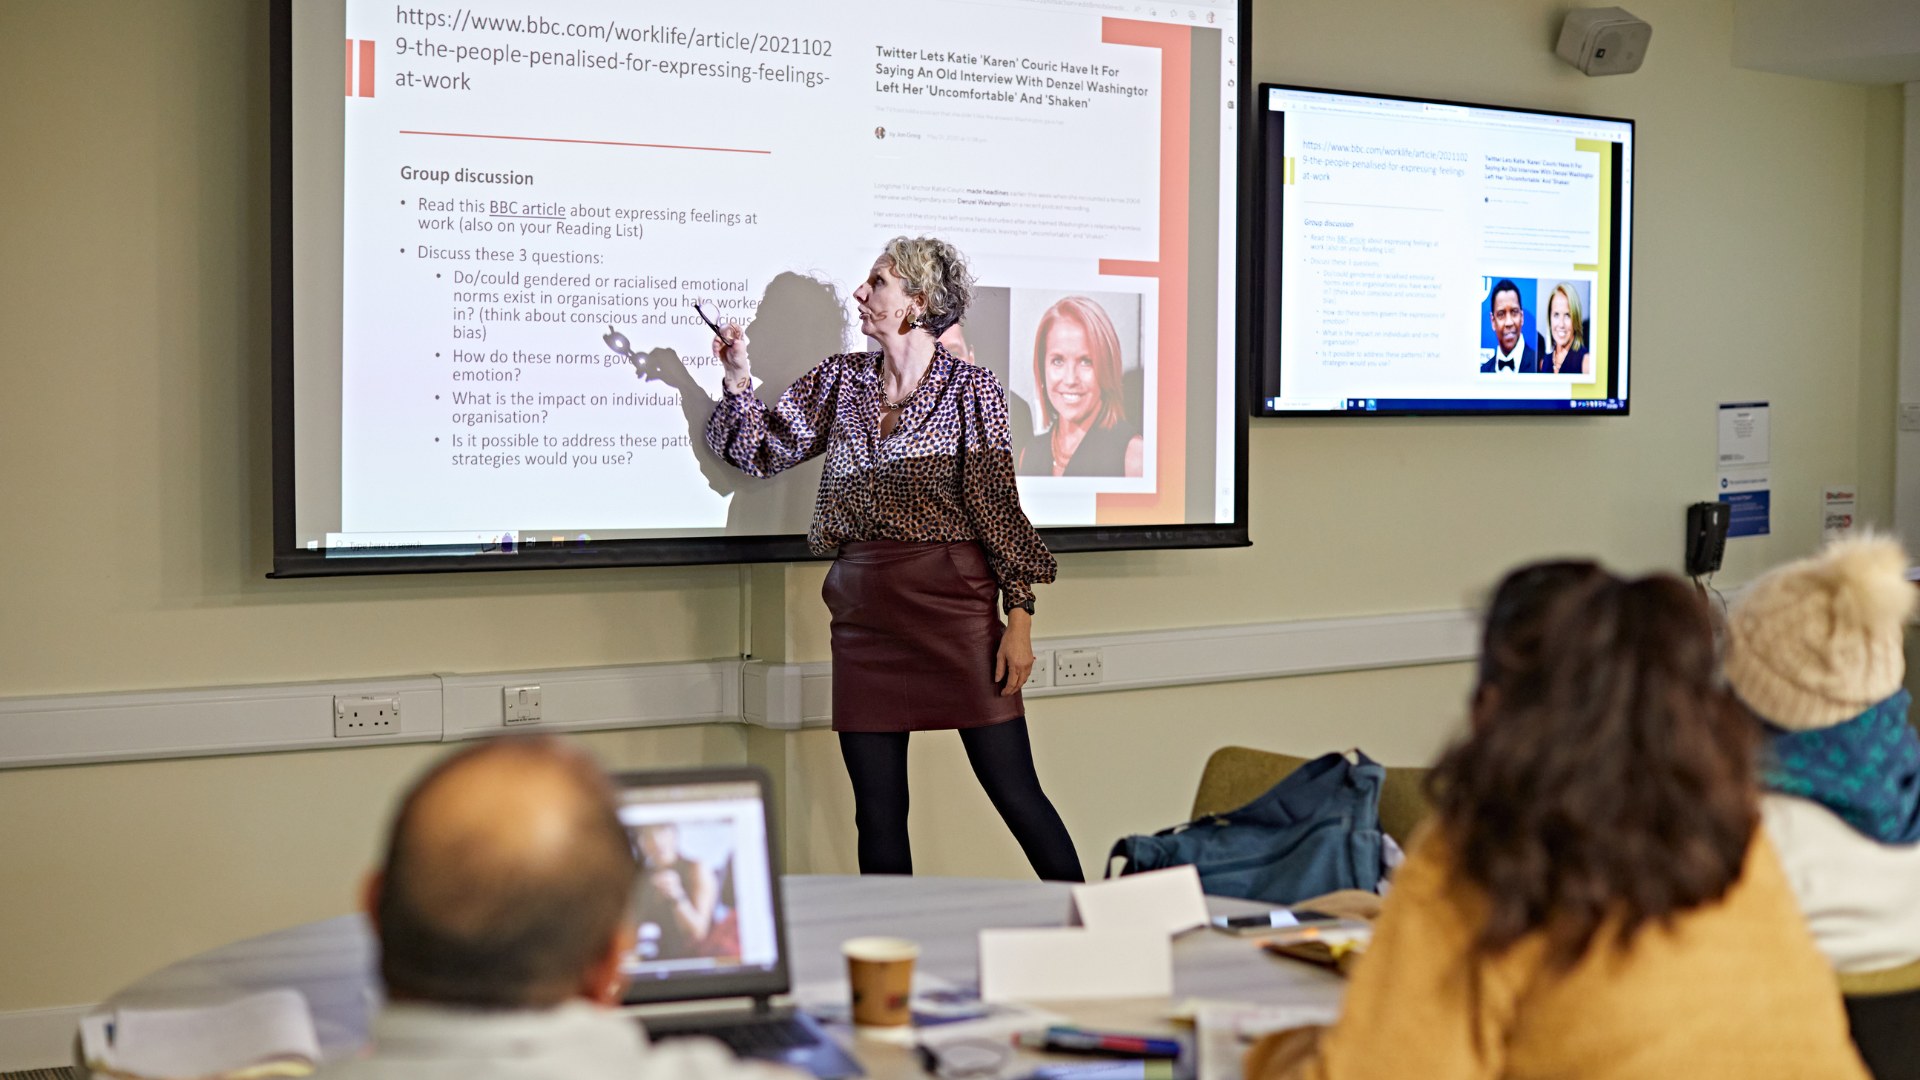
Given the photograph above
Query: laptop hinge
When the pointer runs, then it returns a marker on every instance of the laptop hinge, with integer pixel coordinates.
(762, 1004)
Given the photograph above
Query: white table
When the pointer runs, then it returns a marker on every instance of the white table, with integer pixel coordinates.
(332, 962)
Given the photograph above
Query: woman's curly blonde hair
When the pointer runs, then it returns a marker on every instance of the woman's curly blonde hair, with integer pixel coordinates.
(935, 273)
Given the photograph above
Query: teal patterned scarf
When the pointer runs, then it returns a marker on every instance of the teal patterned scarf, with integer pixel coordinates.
(1866, 770)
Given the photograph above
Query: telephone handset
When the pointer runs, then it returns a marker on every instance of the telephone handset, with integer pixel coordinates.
(1707, 536)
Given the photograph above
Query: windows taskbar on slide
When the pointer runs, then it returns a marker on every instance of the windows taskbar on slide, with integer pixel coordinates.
(1435, 406)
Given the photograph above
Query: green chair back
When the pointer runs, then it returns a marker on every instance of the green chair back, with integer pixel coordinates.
(1235, 775)
(1897, 980)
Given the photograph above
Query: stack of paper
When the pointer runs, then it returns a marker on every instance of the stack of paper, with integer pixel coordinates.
(262, 1035)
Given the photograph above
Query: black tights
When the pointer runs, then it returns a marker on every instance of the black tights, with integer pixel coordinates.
(1002, 759)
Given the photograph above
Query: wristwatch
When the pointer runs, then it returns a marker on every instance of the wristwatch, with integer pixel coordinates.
(1025, 605)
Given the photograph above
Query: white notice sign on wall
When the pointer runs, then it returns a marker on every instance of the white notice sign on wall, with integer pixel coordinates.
(1837, 511)
(1745, 467)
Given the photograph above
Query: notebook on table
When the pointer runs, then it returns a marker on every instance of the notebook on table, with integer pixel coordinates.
(707, 904)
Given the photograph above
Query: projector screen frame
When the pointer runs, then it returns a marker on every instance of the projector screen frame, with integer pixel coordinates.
(1266, 250)
(292, 561)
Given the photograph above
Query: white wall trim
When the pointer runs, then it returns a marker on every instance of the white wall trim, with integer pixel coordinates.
(198, 722)
(1139, 661)
(798, 696)
(1273, 650)
(598, 699)
(83, 728)
(39, 1038)
(772, 694)
(89, 728)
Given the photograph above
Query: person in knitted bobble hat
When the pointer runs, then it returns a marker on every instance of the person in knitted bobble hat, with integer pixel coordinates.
(1815, 651)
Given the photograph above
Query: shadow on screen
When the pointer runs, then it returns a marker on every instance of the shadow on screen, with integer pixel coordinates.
(800, 322)
(981, 338)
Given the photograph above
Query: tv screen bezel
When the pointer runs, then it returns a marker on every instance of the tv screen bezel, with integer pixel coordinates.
(291, 561)
(1263, 354)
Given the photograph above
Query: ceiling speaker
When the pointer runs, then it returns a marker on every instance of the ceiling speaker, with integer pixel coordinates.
(1604, 41)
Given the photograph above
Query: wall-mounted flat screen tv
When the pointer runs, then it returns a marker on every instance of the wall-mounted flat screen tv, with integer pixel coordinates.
(493, 221)
(1423, 257)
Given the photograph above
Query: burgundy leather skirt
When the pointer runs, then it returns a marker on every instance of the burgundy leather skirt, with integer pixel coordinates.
(915, 632)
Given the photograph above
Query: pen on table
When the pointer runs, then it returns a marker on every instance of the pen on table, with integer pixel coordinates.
(1070, 1040)
(1106, 1070)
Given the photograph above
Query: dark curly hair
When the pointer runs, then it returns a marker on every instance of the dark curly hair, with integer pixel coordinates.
(1608, 774)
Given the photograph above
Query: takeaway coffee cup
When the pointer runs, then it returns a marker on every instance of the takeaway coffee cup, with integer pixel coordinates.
(880, 970)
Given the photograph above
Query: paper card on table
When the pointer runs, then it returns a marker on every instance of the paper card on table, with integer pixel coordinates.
(1051, 964)
(1169, 900)
(265, 1034)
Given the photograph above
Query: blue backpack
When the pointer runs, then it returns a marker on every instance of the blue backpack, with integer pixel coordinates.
(1314, 832)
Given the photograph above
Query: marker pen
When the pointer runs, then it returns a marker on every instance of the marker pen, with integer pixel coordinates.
(1070, 1040)
(1106, 1070)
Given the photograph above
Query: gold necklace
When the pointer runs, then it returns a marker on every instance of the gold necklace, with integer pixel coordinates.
(896, 406)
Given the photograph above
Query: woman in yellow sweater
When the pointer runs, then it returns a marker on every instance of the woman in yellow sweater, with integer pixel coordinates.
(1592, 899)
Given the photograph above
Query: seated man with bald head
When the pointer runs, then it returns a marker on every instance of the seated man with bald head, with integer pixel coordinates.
(503, 914)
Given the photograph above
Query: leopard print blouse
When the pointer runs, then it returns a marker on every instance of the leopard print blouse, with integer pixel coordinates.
(945, 474)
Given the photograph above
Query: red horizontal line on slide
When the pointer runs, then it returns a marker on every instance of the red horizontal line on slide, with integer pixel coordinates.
(586, 142)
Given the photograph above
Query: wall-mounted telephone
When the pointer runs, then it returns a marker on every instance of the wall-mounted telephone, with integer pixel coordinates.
(1706, 536)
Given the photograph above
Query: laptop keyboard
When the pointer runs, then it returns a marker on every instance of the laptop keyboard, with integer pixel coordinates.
(766, 1038)
(787, 1037)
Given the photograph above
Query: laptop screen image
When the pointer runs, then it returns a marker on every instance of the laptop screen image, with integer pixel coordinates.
(705, 904)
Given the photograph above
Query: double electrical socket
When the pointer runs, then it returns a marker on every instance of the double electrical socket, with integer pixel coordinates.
(361, 715)
(1064, 667)
(1076, 667)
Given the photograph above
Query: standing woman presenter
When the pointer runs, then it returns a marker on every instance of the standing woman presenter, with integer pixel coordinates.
(918, 495)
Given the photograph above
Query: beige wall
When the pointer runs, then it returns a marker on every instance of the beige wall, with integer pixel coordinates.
(134, 472)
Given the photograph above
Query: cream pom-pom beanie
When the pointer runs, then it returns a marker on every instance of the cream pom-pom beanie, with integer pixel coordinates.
(1821, 640)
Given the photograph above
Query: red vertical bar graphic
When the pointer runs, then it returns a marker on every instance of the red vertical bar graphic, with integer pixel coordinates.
(349, 67)
(1168, 500)
(366, 69)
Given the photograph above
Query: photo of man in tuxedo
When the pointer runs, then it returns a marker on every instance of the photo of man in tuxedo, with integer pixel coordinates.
(1513, 350)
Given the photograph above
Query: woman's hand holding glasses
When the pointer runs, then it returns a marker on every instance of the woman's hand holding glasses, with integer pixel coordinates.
(730, 345)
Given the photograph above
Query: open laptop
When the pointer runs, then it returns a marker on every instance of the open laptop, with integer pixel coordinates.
(708, 907)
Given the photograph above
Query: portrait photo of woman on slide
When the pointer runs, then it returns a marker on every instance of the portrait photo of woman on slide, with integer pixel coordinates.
(1565, 350)
(1077, 369)
(918, 498)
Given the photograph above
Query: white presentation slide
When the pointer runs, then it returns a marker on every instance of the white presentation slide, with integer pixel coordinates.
(483, 193)
(1434, 255)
